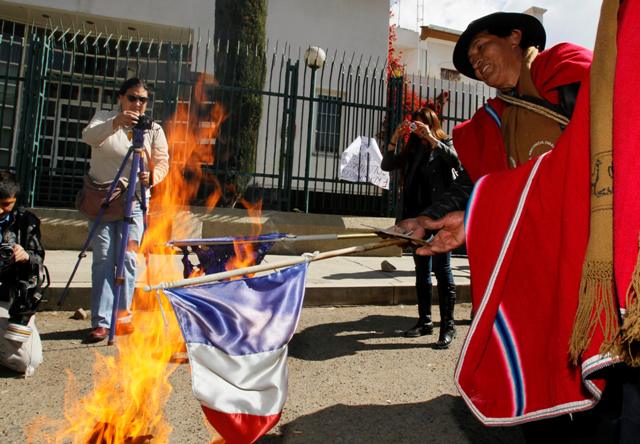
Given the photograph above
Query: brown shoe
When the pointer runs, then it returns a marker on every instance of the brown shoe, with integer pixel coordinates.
(97, 334)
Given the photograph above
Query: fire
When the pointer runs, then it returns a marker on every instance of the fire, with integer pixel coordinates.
(244, 252)
(131, 388)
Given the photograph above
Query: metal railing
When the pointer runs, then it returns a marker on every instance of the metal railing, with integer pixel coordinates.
(53, 80)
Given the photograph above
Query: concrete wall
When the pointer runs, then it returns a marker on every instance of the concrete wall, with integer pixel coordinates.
(120, 14)
(439, 54)
(67, 229)
(351, 25)
(407, 45)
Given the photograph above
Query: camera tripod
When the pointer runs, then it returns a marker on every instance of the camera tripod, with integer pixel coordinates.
(137, 166)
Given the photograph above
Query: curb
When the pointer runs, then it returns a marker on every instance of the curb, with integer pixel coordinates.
(79, 296)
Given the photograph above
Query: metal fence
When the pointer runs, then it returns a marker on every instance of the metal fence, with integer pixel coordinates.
(53, 80)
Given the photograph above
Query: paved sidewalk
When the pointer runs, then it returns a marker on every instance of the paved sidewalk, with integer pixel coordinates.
(345, 280)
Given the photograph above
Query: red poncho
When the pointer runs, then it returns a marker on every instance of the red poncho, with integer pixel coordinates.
(527, 233)
(478, 141)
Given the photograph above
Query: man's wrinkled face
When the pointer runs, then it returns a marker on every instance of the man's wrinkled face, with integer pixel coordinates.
(6, 205)
(496, 61)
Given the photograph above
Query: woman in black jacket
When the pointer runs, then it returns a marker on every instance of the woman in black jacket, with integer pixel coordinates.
(427, 162)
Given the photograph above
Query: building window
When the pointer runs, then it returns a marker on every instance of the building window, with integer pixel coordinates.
(11, 49)
(449, 74)
(328, 121)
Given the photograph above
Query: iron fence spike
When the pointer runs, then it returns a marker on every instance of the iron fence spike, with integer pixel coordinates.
(63, 34)
(73, 39)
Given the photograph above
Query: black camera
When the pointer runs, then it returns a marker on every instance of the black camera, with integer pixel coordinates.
(7, 257)
(144, 122)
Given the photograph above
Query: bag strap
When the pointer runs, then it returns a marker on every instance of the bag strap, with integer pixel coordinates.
(538, 106)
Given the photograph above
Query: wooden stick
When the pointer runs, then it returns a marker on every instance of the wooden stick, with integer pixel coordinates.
(288, 237)
(286, 263)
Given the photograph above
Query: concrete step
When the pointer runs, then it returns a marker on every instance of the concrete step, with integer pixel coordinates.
(345, 280)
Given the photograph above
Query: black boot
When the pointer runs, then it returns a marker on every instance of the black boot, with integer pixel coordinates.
(447, 301)
(424, 326)
(447, 333)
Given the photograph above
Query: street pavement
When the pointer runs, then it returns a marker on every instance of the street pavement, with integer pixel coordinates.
(353, 377)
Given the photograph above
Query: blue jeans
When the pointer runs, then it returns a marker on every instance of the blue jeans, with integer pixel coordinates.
(106, 245)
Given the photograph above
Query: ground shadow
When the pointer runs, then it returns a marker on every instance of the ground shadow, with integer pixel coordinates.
(333, 340)
(445, 419)
(6, 373)
(373, 274)
(65, 335)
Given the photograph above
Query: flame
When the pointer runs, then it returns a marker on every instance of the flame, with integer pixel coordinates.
(131, 388)
(245, 252)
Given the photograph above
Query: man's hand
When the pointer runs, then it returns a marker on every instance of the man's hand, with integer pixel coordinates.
(409, 227)
(450, 235)
(20, 254)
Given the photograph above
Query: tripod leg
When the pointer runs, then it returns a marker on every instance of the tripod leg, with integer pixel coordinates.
(143, 196)
(143, 206)
(124, 241)
(94, 226)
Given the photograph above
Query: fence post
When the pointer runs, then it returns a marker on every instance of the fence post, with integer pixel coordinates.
(312, 94)
(34, 91)
(395, 116)
(287, 135)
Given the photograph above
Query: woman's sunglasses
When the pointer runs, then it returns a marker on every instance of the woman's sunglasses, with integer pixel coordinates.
(131, 98)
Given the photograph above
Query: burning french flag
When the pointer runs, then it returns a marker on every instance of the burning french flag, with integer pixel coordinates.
(237, 334)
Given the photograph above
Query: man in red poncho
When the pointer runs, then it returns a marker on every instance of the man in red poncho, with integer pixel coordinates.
(547, 335)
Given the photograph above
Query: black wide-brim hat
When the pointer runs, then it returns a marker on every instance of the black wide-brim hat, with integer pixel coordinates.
(532, 35)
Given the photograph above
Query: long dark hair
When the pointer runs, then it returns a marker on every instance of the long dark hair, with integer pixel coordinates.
(429, 116)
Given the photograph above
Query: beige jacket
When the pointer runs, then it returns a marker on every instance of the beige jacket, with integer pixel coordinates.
(109, 146)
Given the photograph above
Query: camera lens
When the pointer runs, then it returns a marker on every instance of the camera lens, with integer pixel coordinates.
(6, 253)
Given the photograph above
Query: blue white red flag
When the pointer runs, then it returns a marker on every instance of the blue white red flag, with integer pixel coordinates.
(237, 334)
(214, 252)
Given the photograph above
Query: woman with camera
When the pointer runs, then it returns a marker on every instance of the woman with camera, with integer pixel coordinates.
(427, 162)
(110, 134)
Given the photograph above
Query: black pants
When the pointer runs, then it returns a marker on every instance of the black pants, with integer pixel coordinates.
(441, 265)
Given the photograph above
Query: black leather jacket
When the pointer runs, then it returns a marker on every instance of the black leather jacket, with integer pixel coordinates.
(457, 196)
(426, 174)
(23, 228)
